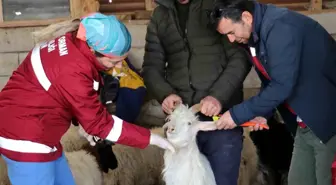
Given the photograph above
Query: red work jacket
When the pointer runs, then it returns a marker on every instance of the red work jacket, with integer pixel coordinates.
(58, 81)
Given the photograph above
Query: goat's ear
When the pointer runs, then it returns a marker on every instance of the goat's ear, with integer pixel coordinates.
(196, 108)
(165, 126)
(206, 126)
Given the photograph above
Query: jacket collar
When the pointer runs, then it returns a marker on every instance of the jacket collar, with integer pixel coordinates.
(258, 15)
(85, 50)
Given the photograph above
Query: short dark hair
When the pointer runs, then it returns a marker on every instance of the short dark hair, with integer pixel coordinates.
(230, 9)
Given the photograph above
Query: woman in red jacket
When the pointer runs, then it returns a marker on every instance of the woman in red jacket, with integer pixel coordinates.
(58, 82)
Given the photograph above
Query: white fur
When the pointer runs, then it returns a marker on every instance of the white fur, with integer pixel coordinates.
(187, 166)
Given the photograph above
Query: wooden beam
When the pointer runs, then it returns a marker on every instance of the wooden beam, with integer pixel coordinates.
(80, 8)
(142, 15)
(125, 16)
(283, 1)
(118, 1)
(1, 12)
(30, 23)
(150, 5)
(122, 7)
(137, 22)
(309, 12)
(288, 5)
(316, 5)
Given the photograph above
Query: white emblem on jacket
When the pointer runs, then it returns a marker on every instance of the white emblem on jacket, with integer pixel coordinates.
(95, 85)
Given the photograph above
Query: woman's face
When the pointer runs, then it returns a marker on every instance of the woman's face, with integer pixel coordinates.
(110, 62)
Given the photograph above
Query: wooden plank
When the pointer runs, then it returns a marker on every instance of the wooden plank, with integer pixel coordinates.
(74, 8)
(122, 7)
(293, 4)
(316, 5)
(150, 5)
(31, 23)
(1, 12)
(309, 12)
(283, 1)
(137, 22)
(118, 1)
(123, 16)
(142, 15)
(80, 8)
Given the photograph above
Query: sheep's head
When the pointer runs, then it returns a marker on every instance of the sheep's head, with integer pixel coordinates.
(182, 125)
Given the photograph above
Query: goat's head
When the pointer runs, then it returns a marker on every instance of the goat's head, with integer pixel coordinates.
(182, 125)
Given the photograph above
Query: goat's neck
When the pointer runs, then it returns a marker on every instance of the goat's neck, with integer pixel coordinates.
(191, 148)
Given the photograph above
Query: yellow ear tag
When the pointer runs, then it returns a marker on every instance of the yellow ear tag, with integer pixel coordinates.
(215, 118)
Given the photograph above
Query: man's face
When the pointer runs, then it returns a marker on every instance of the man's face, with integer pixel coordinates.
(239, 31)
(183, 1)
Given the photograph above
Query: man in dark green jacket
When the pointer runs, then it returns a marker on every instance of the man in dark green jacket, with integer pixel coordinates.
(188, 62)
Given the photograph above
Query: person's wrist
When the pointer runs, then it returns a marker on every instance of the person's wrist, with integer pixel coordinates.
(152, 138)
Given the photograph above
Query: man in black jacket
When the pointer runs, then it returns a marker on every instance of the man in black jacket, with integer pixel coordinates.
(187, 62)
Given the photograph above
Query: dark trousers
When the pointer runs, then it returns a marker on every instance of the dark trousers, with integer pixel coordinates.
(223, 150)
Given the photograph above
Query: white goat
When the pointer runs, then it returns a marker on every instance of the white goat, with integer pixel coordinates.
(187, 166)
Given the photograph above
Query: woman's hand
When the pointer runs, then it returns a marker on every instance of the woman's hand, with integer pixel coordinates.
(89, 137)
(161, 142)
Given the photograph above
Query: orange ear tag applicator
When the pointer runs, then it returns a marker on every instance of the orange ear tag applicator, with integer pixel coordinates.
(197, 108)
(246, 124)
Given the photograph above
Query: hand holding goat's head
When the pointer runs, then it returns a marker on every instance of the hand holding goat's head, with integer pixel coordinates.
(182, 125)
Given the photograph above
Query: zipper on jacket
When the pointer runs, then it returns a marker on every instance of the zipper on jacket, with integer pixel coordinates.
(185, 39)
(189, 73)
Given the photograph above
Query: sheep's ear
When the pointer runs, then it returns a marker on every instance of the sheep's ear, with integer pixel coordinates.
(196, 108)
(206, 126)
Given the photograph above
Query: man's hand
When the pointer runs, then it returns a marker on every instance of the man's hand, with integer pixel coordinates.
(210, 106)
(259, 121)
(169, 103)
(225, 122)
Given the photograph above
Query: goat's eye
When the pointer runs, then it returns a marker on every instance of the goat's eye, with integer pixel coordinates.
(189, 123)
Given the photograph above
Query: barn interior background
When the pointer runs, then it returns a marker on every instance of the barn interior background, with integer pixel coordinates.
(18, 18)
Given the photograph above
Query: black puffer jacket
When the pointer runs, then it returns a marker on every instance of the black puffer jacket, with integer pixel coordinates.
(200, 64)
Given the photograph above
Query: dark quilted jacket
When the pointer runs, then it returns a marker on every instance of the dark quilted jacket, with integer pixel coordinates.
(201, 64)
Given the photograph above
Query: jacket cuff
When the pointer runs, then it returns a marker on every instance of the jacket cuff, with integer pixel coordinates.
(241, 113)
(128, 134)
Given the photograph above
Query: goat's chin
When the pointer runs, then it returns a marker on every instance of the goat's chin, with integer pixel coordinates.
(178, 142)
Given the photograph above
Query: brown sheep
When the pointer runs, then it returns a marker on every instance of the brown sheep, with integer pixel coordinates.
(84, 168)
(72, 141)
(136, 166)
(248, 172)
(3, 173)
